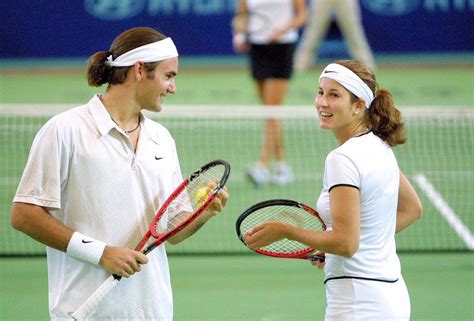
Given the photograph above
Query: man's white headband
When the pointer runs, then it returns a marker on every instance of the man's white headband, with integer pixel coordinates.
(152, 52)
(350, 81)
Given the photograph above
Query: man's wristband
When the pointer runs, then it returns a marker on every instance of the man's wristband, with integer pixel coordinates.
(85, 248)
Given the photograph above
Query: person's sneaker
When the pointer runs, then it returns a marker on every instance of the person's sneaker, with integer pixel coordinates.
(258, 174)
(283, 174)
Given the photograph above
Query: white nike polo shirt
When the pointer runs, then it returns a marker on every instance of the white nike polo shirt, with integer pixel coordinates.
(83, 169)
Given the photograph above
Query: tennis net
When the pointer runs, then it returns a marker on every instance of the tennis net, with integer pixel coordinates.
(437, 158)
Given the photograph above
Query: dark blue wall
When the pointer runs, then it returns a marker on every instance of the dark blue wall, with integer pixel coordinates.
(75, 28)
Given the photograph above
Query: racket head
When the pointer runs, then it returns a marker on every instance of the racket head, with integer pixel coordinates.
(285, 211)
(250, 22)
(189, 200)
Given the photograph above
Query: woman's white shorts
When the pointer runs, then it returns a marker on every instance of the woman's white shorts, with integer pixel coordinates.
(351, 299)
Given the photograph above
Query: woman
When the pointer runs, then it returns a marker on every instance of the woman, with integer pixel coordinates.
(271, 47)
(365, 199)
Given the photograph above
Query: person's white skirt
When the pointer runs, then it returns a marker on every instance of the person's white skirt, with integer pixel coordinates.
(365, 300)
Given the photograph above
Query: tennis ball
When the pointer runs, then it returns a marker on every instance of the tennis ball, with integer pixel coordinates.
(201, 196)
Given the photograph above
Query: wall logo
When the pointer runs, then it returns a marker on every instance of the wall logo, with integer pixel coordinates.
(114, 9)
(391, 7)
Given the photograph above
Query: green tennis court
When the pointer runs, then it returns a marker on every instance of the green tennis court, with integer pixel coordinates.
(251, 288)
(211, 286)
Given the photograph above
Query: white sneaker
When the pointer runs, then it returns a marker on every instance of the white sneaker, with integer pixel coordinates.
(283, 174)
(258, 174)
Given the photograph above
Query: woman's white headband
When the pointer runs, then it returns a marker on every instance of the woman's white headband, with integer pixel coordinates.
(350, 81)
(152, 52)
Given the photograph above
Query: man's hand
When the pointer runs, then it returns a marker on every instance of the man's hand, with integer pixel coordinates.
(218, 203)
(122, 261)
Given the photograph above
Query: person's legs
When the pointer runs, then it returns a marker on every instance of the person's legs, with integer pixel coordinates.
(272, 67)
(274, 93)
(349, 20)
(258, 172)
(319, 19)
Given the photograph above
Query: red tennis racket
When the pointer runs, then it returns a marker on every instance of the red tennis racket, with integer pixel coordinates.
(285, 211)
(189, 200)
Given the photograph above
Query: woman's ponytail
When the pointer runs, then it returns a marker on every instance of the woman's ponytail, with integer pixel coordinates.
(385, 119)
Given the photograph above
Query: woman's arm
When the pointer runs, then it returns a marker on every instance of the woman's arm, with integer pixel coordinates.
(409, 205)
(342, 240)
(299, 19)
(344, 237)
(239, 40)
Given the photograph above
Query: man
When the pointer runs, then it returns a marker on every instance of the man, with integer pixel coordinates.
(95, 177)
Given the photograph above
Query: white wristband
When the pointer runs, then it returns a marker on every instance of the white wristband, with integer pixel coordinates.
(239, 38)
(85, 248)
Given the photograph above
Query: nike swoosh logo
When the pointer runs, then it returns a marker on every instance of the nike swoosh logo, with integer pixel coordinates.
(85, 242)
(329, 71)
(158, 158)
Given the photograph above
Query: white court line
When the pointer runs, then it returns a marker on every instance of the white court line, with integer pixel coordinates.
(445, 210)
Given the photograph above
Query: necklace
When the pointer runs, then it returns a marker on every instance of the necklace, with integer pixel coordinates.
(361, 133)
(128, 131)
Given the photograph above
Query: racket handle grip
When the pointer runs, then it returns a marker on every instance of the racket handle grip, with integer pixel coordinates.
(320, 258)
(94, 300)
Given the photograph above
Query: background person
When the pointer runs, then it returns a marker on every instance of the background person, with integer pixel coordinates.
(271, 50)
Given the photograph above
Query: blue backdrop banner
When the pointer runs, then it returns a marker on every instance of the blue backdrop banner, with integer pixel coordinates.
(78, 28)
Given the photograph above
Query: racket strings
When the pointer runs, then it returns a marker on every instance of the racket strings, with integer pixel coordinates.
(191, 198)
(285, 214)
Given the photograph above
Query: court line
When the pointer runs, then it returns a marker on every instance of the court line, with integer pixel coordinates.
(445, 210)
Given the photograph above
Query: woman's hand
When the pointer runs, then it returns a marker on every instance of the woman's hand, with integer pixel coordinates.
(266, 234)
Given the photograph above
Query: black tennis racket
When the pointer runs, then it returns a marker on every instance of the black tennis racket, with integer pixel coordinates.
(189, 200)
(285, 211)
